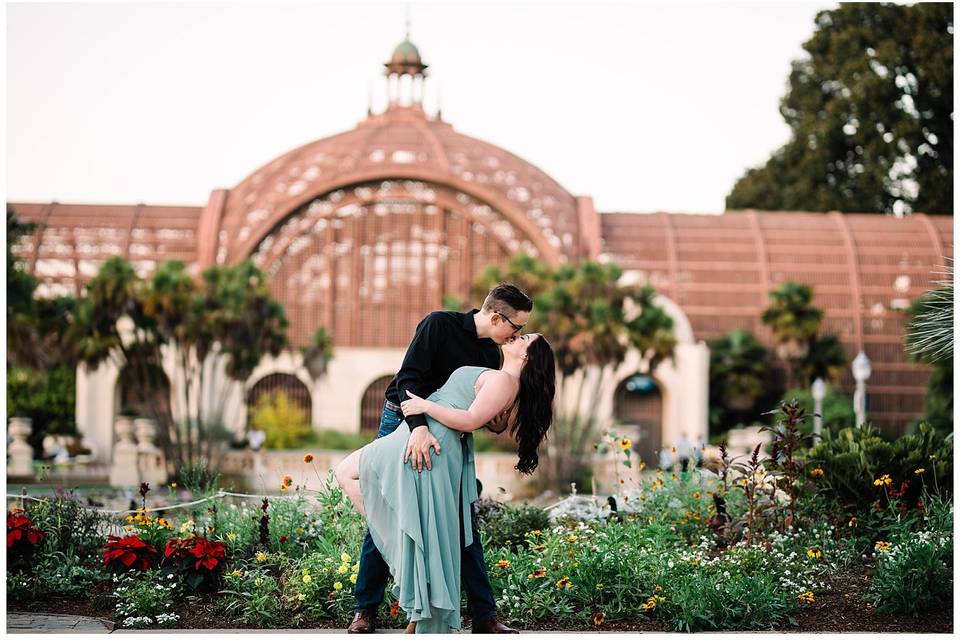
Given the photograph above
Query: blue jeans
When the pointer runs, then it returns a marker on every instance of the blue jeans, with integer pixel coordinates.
(374, 572)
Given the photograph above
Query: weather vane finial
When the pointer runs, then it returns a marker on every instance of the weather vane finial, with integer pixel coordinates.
(407, 36)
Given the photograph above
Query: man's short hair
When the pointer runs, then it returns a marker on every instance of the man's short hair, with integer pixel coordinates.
(507, 299)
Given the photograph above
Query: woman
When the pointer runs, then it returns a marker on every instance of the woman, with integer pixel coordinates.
(421, 521)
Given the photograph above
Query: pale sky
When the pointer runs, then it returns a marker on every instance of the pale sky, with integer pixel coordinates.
(644, 107)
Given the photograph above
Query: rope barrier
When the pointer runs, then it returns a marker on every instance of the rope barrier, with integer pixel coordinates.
(179, 505)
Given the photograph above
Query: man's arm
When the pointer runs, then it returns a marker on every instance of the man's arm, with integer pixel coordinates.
(416, 363)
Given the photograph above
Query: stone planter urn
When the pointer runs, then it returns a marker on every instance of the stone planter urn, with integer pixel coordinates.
(124, 468)
(20, 452)
(150, 459)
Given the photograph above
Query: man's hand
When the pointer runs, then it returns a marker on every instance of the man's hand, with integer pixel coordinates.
(418, 448)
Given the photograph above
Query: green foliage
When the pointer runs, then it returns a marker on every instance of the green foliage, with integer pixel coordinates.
(837, 410)
(53, 574)
(794, 322)
(47, 397)
(870, 109)
(147, 599)
(826, 359)
(739, 375)
(854, 457)
(915, 574)
(507, 525)
(251, 598)
(70, 527)
(284, 423)
(198, 478)
(929, 339)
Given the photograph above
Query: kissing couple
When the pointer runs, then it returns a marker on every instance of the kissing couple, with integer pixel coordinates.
(416, 483)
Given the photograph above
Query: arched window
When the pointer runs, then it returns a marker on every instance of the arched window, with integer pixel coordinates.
(638, 404)
(371, 405)
(295, 390)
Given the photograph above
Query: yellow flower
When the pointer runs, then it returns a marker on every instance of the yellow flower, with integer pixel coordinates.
(919, 471)
(353, 578)
(301, 597)
(186, 526)
(657, 589)
(564, 583)
(626, 443)
(883, 546)
(306, 578)
(261, 556)
(806, 596)
(356, 567)
(173, 485)
(502, 564)
(342, 569)
(345, 558)
(696, 495)
(816, 473)
(300, 531)
(237, 573)
(599, 585)
(231, 536)
(538, 573)
(258, 581)
(883, 480)
(814, 553)
(338, 585)
(853, 522)
(308, 458)
(283, 488)
(129, 527)
(535, 532)
(571, 538)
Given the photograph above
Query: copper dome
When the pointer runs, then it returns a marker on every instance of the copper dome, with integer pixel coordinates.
(402, 143)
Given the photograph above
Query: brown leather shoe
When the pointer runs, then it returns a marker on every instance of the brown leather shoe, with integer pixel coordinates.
(491, 625)
(363, 622)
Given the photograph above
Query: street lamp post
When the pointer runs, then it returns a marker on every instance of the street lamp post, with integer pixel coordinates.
(861, 372)
(818, 390)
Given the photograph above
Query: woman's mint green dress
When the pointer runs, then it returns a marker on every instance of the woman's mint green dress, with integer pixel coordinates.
(414, 518)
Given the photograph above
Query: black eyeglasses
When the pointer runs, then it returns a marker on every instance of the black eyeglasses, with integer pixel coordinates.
(516, 327)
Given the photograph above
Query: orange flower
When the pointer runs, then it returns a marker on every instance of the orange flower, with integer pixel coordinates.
(287, 480)
(816, 473)
(564, 583)
(395, 609)
(308, 458)
(538, 573)
(598, 618)
(502, 564)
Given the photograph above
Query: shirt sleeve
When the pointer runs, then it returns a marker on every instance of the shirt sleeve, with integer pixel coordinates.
(416, 363)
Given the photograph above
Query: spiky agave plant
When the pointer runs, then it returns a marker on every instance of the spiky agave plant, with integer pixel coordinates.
(929, 336)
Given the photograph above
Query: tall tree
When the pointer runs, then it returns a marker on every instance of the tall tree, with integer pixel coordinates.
(871, 114)
(794, 322)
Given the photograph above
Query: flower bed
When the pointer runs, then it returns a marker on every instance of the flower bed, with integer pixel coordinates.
(731, 550)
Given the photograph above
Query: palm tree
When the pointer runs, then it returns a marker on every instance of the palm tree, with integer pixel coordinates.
(794, 322)
(738, 371)
(827, 359)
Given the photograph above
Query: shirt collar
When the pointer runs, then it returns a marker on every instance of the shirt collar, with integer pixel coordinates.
(469, 323)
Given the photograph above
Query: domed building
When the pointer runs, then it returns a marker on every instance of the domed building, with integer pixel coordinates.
(365, 232)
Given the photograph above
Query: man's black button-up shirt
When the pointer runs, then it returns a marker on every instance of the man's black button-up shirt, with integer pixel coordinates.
(444, 342)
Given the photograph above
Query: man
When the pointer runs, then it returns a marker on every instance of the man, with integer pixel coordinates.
(443, 342)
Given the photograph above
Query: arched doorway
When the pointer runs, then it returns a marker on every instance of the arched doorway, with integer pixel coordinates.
(371, 405)
(638, 405)
(289, 384)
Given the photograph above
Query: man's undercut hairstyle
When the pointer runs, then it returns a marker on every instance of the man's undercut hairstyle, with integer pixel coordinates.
(507, 299)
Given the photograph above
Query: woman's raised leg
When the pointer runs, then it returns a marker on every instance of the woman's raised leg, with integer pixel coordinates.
(348, 475)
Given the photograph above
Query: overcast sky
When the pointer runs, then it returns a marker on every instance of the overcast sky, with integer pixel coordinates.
(644, 107)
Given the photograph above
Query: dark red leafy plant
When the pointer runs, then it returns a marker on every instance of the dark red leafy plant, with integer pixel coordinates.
(200, 561)
(129, 552)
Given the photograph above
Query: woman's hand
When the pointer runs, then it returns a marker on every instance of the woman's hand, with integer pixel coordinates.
(414, 405)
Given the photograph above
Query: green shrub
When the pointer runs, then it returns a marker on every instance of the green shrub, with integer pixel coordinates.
(48, 398)
(838, 410)
(853, 458)
(147, 599)
(915, 575)
(507, 525)
(284, 424)
(251, 598)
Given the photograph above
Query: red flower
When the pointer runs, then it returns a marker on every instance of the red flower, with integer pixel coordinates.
(177, 549)
(131, 552)
(21, 528)
(209, 553)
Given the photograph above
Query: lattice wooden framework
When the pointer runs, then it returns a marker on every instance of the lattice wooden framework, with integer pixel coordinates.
(864, 268)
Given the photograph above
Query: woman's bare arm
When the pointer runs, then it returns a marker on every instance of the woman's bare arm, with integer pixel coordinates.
(498, 392)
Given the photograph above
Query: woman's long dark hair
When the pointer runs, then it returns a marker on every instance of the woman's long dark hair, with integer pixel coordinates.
(534, 403)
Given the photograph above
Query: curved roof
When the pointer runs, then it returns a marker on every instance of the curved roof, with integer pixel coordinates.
(400, 143)
(864, 269)
(70, 241)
